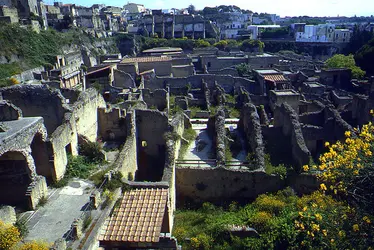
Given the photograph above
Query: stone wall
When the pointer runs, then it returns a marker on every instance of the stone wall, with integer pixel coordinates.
(250, 124)
(126, 161)
(361, 106)
(85, 113)
(129, 68)
(81, 121)
(157, 98)
(38, 100)
(151, 125)
(9, 112)
(220, 137)
(112, 124)
(227, 82)
(217, 63)
(183, 70)
(173, 145)
(123, 79)
(36, 191)
(222, 184)
(29, 74)
(226, 71)
(162, 68)
(286, 117)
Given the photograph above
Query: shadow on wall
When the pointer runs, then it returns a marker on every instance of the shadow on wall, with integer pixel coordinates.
(15, 179)
(221, 185)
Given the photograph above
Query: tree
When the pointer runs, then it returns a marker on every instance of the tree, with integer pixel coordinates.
(365, 57)
(191, 9)
(221, 45)
(252, 45)
(342, 61)
(200, 43)
(359, 38)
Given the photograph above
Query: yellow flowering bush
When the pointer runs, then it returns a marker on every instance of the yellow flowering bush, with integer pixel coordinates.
(201, 241)
(9, 236)
(269, 203)
(346, 168)
(35, 245)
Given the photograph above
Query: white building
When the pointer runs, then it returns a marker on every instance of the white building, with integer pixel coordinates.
(134, 8)
(321, 33)
(237, 22)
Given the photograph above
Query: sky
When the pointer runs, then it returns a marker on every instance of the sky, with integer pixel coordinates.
(280, 7)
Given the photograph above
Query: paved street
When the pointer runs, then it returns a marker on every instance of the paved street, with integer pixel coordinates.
(53, 220)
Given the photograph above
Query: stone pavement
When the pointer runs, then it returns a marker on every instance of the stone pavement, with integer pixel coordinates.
(53, 220)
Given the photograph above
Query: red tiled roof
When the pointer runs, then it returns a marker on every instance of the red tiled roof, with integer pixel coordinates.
(275, 78)
(146, 59)
(138, 218)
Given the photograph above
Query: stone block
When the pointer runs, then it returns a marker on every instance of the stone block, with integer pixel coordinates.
(95, 199)
(8, 215)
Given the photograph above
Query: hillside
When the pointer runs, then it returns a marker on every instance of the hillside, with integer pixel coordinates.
(22, 48)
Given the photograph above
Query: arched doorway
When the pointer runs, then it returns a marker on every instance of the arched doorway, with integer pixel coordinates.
(40, 155)
(14, 179)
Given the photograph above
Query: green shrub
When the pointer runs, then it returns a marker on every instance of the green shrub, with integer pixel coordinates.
(78, 166)
(194, 110)
(269, 203)
(92, 151)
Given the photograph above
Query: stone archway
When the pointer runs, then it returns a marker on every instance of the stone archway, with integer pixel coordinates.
(40, 155)
(15, 178)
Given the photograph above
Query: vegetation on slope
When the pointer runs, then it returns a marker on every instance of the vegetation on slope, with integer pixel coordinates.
(365, 57)
(36, 49)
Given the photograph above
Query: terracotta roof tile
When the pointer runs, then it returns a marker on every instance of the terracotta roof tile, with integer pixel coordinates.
(276, 78)
(138, 218)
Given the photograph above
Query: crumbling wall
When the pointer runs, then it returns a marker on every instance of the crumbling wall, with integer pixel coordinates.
(229, 83)
(220, 137)
(222, 184)
(83, 121)
(250, 124)
(151, 126)
(216, 130)
(313, 118)
(286, 117)
(112, 125)
(336, 124)
(126, 161)
(123, 79)
(64, 140)
(172, 153)
(226, 71)
(38, 100)
(36, 191)
(9, 112)
(157, 98)
(361, 106)
(85, 113)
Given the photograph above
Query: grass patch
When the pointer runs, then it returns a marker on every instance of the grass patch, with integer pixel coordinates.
(233, 112)
(194, 110)
(22, 227)
(190, 136)
(230, 98)
(280, 169)
(42, 201)
(9, 69)
(228, 153)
